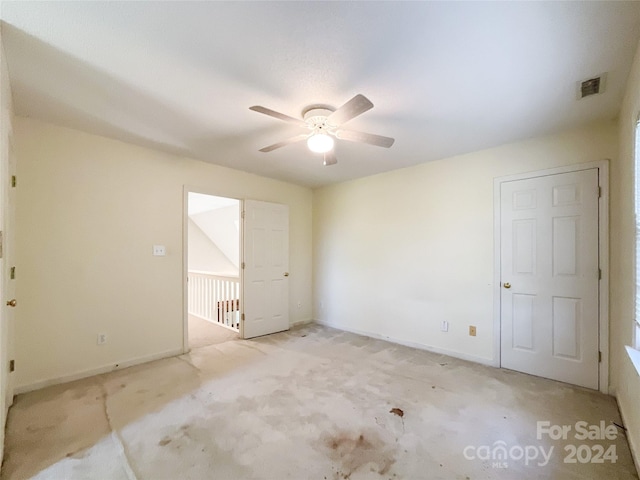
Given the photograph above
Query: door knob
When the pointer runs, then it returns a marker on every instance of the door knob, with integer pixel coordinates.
(286, 274)
(507, 285)
(12, 303)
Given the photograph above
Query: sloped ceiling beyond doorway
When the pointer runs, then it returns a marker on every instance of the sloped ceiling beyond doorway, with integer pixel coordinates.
(218, 219)
(205, 256)
(445, 77)
(221, 226)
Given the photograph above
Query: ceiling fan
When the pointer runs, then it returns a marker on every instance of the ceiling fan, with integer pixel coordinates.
(324, 123)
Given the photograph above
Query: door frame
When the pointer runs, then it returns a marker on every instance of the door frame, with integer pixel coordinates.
(603, 253)
(187, 189)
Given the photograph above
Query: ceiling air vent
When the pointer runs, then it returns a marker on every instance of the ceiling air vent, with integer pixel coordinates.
(592, 86)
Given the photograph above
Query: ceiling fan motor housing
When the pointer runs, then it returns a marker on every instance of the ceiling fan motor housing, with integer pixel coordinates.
(316, 119)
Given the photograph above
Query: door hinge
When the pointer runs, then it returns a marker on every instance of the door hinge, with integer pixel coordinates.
(242, 214)
(14, 181)
(599, 192)
(599, 274)
(599, 357)
(243, 265)
(242, 317)
(12, 365)
(1, 243)
(13, 273)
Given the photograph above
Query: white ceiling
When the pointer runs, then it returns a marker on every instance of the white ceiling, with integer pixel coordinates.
(445, 77)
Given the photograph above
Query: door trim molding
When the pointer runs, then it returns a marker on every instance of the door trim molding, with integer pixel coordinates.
(603, 251)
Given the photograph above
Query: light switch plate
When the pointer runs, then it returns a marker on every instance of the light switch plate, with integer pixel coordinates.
(159, 251)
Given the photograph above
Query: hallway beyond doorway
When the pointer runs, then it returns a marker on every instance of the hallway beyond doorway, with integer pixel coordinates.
(203, 333)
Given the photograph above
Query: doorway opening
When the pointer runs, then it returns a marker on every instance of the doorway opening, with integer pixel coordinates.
(213, 269)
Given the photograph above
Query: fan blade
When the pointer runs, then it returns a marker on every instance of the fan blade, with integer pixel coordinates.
(362, 137)
(330, 158)
(284, 143)
(278, 115)
(354, 107)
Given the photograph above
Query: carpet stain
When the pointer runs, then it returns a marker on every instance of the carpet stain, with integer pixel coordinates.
(397, 411)
(164, 441)
(353, 451)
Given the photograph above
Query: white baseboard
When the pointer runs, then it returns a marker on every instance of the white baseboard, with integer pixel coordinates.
(630, 440)
(95, 371)
(419, 346)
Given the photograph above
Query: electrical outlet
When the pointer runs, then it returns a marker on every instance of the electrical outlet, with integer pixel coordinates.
(159, 251)
(472, 330)
(444, 326)
(102, 338)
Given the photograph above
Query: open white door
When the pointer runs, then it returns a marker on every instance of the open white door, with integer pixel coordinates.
(549, 276)
(265, 281)
(7, 283)
(9, 271)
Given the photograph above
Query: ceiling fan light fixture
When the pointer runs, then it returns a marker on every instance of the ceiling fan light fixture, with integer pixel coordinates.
(320, 143)
(324, 123)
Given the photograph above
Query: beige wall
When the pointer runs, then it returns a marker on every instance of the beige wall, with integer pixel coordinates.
(624, 378)
(397, 253)
(89, 211)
